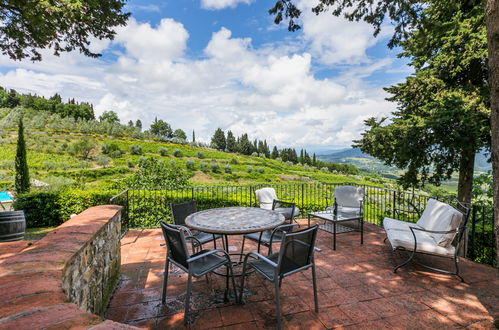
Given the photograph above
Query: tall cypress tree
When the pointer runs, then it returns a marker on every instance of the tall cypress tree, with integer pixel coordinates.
(22, 174)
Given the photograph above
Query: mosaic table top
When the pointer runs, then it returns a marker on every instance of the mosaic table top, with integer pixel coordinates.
(234, 220)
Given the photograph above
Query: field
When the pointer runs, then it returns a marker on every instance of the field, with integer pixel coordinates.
(54, 158)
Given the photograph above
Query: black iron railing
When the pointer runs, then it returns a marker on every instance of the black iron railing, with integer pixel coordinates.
(145, 207)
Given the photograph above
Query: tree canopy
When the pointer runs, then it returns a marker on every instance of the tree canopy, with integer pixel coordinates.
(62, 25)
(161, 128)
(218, 139)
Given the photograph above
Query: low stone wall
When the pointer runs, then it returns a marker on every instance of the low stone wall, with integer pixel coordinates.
(60, 280)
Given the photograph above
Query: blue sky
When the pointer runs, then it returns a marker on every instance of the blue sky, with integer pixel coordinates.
(203, 64)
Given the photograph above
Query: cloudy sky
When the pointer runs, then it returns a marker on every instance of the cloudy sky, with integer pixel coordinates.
(203, 64)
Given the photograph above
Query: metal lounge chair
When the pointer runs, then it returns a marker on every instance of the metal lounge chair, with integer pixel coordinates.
(296, 254)
(180, 211)
(196, 265)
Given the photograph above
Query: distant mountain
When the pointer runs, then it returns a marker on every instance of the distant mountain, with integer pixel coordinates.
(366, 162)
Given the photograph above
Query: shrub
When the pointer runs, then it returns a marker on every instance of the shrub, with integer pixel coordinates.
(227, 169)
(249, 169)
(111, 149)
(306, 167)
(130, 163)
(142, 161)
(200, 155)
(279, 159)
(49, 166)
(163, 151)
(136, 149)
(215, 168)
(254, 154)
(177, 153)
(115, 154)
(102, 160)
(189, 164)
(155, 174)
(325, 169)
(172, 163)
(288, 163)
(203, 166)
(81, 148)
(52, 208)
(260, 170)
(234, 161)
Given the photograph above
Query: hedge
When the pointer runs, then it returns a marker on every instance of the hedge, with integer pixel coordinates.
(53, 208)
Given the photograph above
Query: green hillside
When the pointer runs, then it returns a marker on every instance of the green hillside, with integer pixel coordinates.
(53, 158)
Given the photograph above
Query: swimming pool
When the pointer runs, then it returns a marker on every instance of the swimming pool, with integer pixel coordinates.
(5, 197)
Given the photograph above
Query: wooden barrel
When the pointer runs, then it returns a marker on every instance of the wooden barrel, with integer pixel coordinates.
(12, 226)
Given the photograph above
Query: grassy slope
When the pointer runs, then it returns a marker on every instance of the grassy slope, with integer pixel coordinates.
(48, 158)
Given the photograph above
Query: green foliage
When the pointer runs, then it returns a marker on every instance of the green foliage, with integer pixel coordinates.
(172, 163)
(179, 134)
(177, 153)
(102, 160)
(227, 169)
(161, 128)
(260, 170)
(22, 173)
(234, 161)
(483, 188)
(249, 169)
(190, 165)
(66, 26)
(136, 149)
(154, 174)
(53, 208)
(215, 168)
(200, 155)
(325, 169)
(130, 163)
(110, 117)
(111, 149)
(82, 148)
(203, 166)
(231, 143)
(218, 140)
(163, 151)
(254, 154)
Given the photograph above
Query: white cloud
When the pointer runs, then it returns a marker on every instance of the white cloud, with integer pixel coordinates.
(269, 92)
(222, 4)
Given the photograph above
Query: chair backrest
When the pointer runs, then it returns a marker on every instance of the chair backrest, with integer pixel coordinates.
(349, 196)
(180, 211)
(296, 250)
(175, 241)
(265, 197)
(287, 209)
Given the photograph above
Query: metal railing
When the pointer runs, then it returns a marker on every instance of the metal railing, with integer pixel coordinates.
(145, 207)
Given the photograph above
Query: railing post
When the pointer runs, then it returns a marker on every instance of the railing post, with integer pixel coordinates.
(394, 204)
(302, 195)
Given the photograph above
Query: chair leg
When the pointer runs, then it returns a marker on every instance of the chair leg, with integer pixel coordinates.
(405, 262)
(233, 282)
(165, 280)
(242, 249)
(188, 299)
(226, 293)
(314, 283)
(278, 304)
(214, 242)
(384, 241)
(457, 269)
(243, 275)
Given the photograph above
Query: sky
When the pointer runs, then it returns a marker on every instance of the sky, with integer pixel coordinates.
(204, 64)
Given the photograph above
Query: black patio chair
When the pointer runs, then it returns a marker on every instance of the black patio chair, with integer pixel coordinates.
(267, 237)
(196, 265)
(287, 209)
(180, 211)
(295, 254)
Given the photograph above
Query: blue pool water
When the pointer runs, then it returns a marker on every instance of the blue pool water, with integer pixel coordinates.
(5, 197)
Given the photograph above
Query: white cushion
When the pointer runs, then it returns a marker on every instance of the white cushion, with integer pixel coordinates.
(425, 243)
(393, 224)
(349, 196)
(266, 197)
(439, 216)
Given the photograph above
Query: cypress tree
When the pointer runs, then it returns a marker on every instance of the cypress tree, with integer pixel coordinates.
(193, 136)
(22, 175)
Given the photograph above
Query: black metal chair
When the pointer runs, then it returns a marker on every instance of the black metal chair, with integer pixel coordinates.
(180, 211)
(196, 265)
(267, 237)
(295, 254)
(288, 209)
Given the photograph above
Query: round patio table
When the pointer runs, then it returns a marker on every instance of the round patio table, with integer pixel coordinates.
(234, 220)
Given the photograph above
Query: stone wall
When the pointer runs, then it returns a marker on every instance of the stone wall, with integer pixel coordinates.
(59, 280)
(90, 276)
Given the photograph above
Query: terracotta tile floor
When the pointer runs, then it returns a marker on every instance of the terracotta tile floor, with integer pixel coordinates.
(356, 289)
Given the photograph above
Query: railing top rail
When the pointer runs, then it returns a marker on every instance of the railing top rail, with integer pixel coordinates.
(118, 195)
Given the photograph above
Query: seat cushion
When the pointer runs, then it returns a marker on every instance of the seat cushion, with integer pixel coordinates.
(425, 242)
(206, 264)
(286, 211)
(265, 238)
(264, 268)
(393, 224)
(349, 196)
(205, 237)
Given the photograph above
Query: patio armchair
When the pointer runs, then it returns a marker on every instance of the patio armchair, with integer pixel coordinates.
(196, 265)
(267, 237)
(349, 201)
(268, 200)
(180, 211)
(296, 254)
(438, 232)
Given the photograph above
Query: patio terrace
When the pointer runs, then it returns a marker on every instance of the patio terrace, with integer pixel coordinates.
(357, 289)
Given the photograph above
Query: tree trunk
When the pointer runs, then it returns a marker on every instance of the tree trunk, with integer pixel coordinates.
(492, 20)
(465, 184)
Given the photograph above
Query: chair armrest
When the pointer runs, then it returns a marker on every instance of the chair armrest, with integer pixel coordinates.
(207, 253)
(259, 256)
(184, 228)
(279, 228)
(194, 239)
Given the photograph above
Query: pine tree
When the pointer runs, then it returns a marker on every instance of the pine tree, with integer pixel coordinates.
(130, 123)
(138, 124)
(218, 140)
(314, 160)
(275, 153)
(231, 142)
(22, 173)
